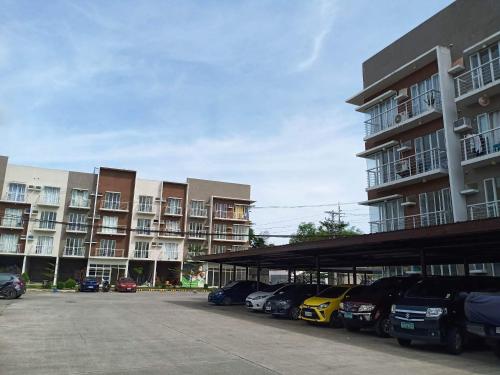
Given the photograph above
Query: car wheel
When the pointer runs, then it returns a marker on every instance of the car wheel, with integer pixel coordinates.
(351, 328)
(10, 294)
(455, 341)
(294, 313)
(19, 295)
(335, 321)
(383, 327)
(496, 349)
(404, 342)
(226, 301)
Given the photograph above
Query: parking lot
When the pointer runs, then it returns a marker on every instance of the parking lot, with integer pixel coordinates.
(166, 333)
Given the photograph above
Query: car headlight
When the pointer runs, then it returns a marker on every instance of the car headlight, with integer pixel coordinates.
(341, 306)
(366, 308)
(324, 305)
(435, 312)
(393, 309)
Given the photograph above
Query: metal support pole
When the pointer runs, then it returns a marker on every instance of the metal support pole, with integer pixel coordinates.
(318, 274)
(220, 275)
(294, 276)
(246, 273)
(348, 278)
(258, 274)
(423, 264)
(354, 276)
(310, 277)
(234, 273)
(466, 267)
(289, 276)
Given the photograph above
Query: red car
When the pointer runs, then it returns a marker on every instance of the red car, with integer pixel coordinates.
(126, 284)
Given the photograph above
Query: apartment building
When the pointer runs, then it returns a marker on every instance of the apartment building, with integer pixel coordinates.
(432, 129)
(110, 223)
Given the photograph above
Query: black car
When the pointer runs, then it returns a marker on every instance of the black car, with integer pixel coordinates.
(370, 307)
(11, 286)
(235, 292)
(286, 302)
(482, 311)
(89, 284)
(432, 310)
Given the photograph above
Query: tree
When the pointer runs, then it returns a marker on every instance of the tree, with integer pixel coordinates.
(328, 228)
(257, 241)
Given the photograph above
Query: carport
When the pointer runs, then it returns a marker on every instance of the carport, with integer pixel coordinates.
(459, 243)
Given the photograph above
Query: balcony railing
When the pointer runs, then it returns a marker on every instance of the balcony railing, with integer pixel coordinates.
(8, 248)
(45, 226)
(77, 227)
(80, 203)
(74, 251)
(228, 236)
(141, 254)
(15, 197)
(485, 143)
(413, 165)
(48, 200)
(105, 252)
(114, 206)
(231, 215)
(12, 223)
(484, 210)
(171, 232)
(478, 78)
(144, 231)
(173, 210)
(197, 234)
(145, 208)
(198, 212)
(108, 230)
(43, 250)
(403, 112)
(411, 222)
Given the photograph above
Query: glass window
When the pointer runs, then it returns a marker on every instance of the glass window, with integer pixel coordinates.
(221, 210)
(240, 232)
(9, 243)
(112, 200)
(50, 195)
(174, 206)
(145, 203)
(172, 228)
(144, 226)
(80, 198)
(220, 231)
(17, 192)
(77, 222)
(196, 230)
(198, 208)
(107, 248)
(44, 245)
(74, 246)
(12, 218)
(109, 224)
(47, 220)
(141, 250)
(171, 250)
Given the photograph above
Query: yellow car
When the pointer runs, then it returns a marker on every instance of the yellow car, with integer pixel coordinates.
(324, 308)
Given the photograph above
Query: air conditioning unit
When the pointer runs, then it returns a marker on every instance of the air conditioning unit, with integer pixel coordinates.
(156, 221)
(409, 201)
(462, 124)
(470, 189)
(27, 211)
(402, 94)
(400, 117)
(405, 146)
(34, 212)
(155, 244)
(403, 168)
(157, 199)
(30, 237)
(22, 237)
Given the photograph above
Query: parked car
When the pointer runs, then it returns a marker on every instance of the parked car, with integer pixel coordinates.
(257, 300)
(370, 308)
(125, 284)
(234, 292)
(324, 308)
(89, 284)
(11, 286)
(482, 311)
(288, 300)
(432, 311)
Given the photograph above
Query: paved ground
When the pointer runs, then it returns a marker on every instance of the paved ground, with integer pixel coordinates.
(153, 333)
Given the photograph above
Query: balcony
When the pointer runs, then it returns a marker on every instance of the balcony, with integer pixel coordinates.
(142, 254)
(12, 223)
(481, 148)
(485, 210)
(173, 211)
(43, 250)
(197, 235)
(10, 248)
(412, 222)
(198, 212)
(112, 231)
(45, 226)
(428, 164)
(230, 237)
(221, 249)
(145, 209)
(14, 197)
(232, 215)
(80, 204)
(144, 232)
(483, 80)
(171, 233)
(77, 228)
(114, 206)
(404, 116)
(108, 253)
(48, 201)
(74, 251)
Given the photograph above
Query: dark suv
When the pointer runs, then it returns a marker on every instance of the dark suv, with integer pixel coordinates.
(371, 306)
(11, 286)
(235, 292)
(432, 311)
(286, 302)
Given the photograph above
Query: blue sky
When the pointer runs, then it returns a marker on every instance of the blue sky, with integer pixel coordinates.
(242, 91)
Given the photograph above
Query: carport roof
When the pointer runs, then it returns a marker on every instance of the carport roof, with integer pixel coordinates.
(470, 241)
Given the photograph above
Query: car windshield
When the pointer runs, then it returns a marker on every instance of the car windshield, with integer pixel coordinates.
(380, 288)
(333, 292)
(91, 279)
(442, 289)
(230, 285)
(126, 280)
(273, 288)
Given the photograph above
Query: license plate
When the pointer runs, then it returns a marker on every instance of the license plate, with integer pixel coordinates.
(129, 288)
(308, 313)
(498, 330)
(91, 287)
(347, 315)
(249, 304)
(268, 308)
(407, 325)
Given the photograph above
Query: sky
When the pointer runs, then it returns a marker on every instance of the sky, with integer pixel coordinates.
(241, 91)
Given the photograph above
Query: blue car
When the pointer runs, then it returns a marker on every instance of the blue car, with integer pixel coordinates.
(89, 284)
(234, 293)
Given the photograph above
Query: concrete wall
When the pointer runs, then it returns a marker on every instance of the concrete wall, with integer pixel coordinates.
(3, 166)
(463, 24)
(204, 189)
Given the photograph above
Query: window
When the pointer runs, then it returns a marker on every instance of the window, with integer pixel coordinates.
(219, 249)
(77, 222)
(174, 206)
(172, 228)
(381, 116)
(220, 231)
(74, 246)
(485, 66)
(424, 95)
(111, 201)
(198, 209)
(195, 249)
(12, 218)
(109, 224)
(50, 195)
(47, 220)
(171, 250)
(145, 203)
(44, 245)
(221, 210)
(17, 192)
(240, 232)
(141, 250)
(492, 195)
(9, 243)
(388, 216)
(196, 230)
(435, 207)
(144, 226)
(430, 152)
(80, 198)
(241, 212)
(107, 248)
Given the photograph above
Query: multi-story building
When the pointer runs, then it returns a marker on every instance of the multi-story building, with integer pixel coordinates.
(432, 128)
(110, 223)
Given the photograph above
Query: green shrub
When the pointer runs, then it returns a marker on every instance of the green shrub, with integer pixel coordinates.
(70, 283)
(60, 285)
(25, 277)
